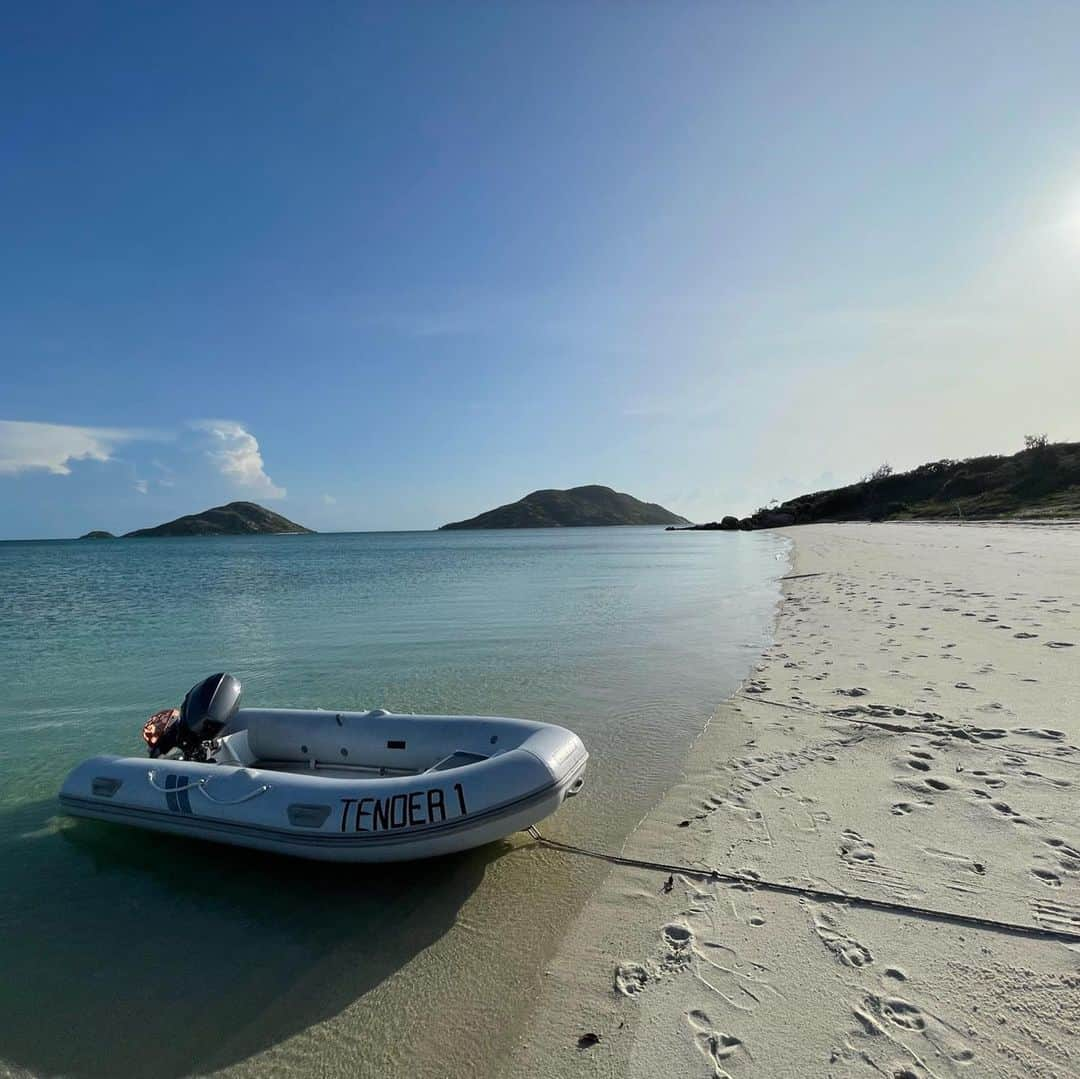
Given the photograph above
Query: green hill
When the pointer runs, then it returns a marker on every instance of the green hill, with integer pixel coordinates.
(575, 508)
(234, 519)
(1042, 481)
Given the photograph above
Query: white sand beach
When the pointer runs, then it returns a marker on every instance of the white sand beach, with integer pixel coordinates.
(913, 736)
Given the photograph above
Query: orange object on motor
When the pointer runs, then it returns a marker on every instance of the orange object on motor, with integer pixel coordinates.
(160, 730)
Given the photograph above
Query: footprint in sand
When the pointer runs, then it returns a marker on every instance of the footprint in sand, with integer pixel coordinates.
(715, 1045)
(631, 979)
(1049, 733)
(1051, 880)
(1068, 857)
(677, 937)
(985, 734)
(1025, 636)
(988, 779)
(928, 785)
(854, 848)
(880, 1013)
(1059, 644)
(848, 950)
(1038, 777)
(1004, 809)
(901, 1013)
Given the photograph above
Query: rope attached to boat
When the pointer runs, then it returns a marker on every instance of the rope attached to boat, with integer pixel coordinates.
(233, 801)
(200, 786)
(743, 880)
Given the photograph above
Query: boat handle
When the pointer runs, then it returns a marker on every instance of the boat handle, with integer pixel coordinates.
(200, 785)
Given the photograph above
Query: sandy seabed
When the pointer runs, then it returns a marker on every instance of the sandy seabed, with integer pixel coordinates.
(913, 735)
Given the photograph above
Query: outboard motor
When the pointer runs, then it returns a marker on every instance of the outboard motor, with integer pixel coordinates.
(207, 710)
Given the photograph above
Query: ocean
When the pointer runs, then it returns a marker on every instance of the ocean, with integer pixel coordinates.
(126, 953)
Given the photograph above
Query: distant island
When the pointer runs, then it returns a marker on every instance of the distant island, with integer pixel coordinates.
(234, 519)
(577, 507)
(98, 534)
(1041, 481)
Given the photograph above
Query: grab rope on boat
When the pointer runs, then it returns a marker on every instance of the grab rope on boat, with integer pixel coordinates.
(822, 894)
(200, 786)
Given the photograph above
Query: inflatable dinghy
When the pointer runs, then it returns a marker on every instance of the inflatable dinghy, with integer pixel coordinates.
(337, 786)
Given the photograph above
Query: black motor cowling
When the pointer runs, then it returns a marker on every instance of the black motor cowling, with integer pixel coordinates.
(206, 711)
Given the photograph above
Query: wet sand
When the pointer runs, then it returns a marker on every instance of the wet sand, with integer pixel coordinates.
(912, 736)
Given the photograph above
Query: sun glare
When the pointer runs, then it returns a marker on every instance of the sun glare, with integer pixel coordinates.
(1072, 218)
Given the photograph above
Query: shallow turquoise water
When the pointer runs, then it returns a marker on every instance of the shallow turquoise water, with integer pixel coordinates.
(119, 939)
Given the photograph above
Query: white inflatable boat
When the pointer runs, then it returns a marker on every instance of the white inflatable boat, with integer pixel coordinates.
(338, 786)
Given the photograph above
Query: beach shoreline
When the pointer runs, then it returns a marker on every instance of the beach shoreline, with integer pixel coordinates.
(911, 735)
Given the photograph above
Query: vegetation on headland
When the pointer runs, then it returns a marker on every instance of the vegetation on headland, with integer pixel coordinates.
(574, 508)
(1041, 481)
(233, 519)
(97, 533)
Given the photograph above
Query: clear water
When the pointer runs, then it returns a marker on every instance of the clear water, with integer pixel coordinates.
(125, 953)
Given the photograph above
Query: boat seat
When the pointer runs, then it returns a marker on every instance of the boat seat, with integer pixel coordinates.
(456, 760)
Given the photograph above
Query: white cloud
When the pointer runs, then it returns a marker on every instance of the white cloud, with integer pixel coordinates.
(164, 480)
(330, 500)
(53, 446)
(141, 486)
(235, 454)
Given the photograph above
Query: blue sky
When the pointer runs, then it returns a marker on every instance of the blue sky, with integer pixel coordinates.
(385, 266)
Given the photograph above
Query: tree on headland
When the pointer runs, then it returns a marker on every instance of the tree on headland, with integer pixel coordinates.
(1040, 481)
(882, 471)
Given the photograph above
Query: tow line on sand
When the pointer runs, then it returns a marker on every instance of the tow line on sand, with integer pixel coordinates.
(808, 892)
